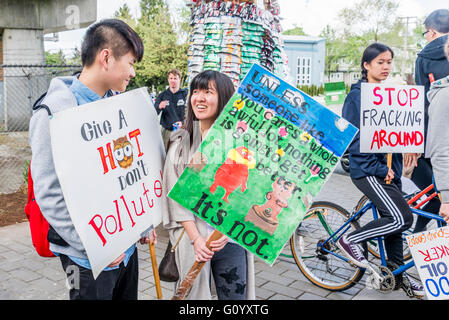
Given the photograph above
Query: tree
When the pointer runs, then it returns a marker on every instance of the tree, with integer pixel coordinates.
(151, 8)
(124, 14)
(163, 50)
(75, 58)
(359, 25)
(57, 58)
(370, 21)
(333, 48)
(346, 50)
(369, 17)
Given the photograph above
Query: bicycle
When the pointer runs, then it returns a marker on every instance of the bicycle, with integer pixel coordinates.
(314, 248)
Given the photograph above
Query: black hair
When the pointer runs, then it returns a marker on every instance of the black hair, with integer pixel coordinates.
(113, 34)
(370, 53)
(222, 83)
(438, 20)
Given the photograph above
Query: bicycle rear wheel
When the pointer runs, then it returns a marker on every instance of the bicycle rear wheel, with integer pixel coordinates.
(320, 267)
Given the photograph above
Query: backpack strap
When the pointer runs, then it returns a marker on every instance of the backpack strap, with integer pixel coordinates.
(42, 106)
(37, 105)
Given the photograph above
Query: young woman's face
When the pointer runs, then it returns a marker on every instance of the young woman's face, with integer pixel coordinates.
(379, 68)
(205, 103)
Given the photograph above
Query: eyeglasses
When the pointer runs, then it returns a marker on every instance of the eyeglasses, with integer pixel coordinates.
(424, 33)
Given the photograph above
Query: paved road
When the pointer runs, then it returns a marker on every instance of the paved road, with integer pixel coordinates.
(25, 275)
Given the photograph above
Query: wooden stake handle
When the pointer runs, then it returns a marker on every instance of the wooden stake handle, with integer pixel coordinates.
(389, 163)
(194, 271)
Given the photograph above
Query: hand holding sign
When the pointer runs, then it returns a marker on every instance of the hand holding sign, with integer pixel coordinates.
(444, 211)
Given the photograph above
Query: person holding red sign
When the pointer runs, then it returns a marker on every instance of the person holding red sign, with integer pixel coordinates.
(109, 51)
(372, 176)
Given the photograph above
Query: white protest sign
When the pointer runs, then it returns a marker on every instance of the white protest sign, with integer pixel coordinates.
(391, 118)
(108, 157)
(430, 251)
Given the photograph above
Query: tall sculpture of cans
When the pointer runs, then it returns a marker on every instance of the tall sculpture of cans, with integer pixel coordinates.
(229, 36)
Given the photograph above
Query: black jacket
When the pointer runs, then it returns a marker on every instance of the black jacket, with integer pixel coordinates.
(431, 60)
(175, 109)
(366, 164)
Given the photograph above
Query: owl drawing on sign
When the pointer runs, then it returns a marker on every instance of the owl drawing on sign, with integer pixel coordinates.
(123, 152)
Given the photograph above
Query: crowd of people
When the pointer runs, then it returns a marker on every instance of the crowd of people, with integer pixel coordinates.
(109, 51)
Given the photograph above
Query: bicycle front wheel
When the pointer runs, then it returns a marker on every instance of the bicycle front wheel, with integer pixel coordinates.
(319, 266)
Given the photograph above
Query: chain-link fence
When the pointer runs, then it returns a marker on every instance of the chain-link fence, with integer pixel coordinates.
(20, 87)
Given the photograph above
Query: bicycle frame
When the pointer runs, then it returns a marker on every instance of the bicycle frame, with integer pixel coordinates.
(335, 236)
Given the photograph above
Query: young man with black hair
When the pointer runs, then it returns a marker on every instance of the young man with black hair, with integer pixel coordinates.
(431, 65)
(172, 104)
(109, 51)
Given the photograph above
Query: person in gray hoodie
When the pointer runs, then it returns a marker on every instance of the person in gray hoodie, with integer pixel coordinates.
(108, 53)
(431, 65)
(437, 147)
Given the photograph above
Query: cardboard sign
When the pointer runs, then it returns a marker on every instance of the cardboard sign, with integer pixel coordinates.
(430, 251)
(391, 119)
(108, 157)
(263, 161)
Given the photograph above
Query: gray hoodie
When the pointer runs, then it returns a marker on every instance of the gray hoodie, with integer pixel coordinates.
(47, 189)
(437, 147)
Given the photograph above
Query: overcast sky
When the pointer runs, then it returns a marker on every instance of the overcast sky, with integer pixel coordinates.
(311, 15)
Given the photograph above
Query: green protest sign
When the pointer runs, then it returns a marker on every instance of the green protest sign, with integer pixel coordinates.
(263, 161)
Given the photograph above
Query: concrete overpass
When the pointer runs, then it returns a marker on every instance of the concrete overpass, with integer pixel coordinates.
(23, 24)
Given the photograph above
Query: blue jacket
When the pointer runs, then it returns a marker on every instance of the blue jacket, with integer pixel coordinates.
(366, 164)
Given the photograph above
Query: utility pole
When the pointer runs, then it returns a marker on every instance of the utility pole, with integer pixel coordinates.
(405, 55)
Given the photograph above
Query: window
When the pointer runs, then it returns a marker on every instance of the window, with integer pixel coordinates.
(304, 72)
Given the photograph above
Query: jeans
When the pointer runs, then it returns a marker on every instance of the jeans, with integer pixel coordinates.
(117, 284)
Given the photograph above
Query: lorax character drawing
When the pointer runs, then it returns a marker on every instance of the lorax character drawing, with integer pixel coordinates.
(265, 216)
(234, 171)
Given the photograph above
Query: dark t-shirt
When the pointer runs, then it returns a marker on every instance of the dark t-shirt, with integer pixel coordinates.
(174, 110)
